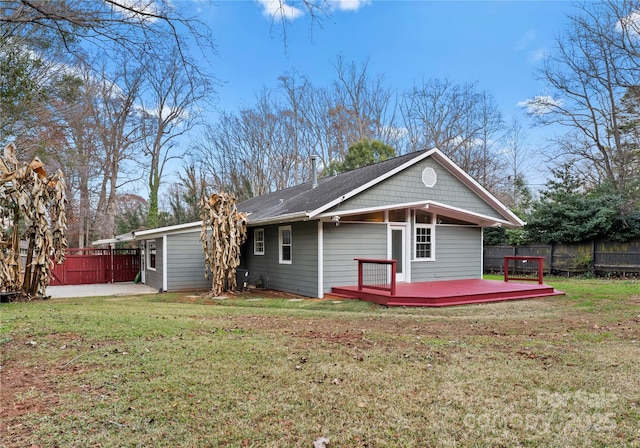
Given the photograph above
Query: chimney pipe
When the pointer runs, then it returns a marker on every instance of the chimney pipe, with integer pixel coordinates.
(314, 170)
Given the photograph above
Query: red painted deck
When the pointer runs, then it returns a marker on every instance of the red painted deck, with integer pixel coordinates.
(449, 292)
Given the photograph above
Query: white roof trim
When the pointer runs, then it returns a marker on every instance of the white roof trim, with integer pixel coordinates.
(477, 188)
(168, 229)
(436, 206)
(428, 205)
(379, 208)
(447, 163)
(104, 241)
(117, 239)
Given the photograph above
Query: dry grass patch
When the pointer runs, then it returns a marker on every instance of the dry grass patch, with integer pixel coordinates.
(168, 371)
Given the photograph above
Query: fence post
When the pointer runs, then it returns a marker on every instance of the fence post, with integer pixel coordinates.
(505, 268)
(111, 268)
(393, 277)
(540, 270)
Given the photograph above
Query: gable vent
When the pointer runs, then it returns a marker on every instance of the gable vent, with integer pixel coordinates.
(429, 177)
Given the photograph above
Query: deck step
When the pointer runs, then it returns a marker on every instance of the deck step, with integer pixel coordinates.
(449, 293)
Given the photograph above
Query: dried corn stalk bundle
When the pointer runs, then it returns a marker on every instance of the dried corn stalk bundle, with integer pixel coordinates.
(223, 231)
(32, 209)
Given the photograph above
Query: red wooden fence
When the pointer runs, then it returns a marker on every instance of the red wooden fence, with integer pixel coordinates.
(88, 266)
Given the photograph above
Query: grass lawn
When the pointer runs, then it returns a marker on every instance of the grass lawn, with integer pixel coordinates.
(258, 371)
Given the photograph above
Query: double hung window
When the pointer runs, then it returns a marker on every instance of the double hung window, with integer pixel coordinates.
(424, 232)
(258, 242)
(286, 244)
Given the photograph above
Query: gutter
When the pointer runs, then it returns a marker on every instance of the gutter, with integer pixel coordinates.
(297, 216)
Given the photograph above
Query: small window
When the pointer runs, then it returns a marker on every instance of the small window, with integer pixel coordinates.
(258, 242)
(423, 242)
(152, 255)
(364, 217)
(285, 244)
(424, 231)
(398, 215)
(429, 177)
(423, 217)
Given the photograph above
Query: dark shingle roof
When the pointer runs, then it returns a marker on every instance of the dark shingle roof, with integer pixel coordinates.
(304, 198)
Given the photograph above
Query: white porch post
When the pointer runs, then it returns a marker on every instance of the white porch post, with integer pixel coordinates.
(320, 259)
(165, 249)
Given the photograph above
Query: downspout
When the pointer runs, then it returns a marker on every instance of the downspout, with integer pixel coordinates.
(320, 259)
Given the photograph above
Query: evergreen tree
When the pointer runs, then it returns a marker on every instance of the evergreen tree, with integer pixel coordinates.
(568, 212)
(362, 153)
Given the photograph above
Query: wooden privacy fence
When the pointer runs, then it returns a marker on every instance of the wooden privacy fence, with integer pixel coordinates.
(88, 266)
(599, 257)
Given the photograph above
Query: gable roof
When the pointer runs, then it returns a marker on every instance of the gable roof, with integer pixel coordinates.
(306, 202)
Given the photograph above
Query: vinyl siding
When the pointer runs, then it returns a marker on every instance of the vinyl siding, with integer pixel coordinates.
(407, 186)
(458, 253)
(185, 262)
(344, 243)
(299, 277)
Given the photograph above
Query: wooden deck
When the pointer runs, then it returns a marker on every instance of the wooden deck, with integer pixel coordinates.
(449, 292)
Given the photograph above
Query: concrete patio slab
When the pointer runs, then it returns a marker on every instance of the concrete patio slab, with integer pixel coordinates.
(103, 289)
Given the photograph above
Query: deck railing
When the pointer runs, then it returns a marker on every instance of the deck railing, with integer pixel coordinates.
(523, 268)
(377, 274)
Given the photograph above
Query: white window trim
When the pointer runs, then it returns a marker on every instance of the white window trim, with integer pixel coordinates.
(281, 230)
(432, 227)
(255, 241)
(155, 252)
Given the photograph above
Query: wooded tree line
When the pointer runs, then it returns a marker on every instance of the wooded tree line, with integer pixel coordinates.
(101, 90)
(268, 146)
(118, 111)
(594, 93)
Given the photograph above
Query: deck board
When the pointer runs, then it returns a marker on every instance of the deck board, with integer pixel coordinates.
(450, 292)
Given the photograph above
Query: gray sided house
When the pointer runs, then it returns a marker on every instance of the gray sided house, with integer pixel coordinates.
(420, 209)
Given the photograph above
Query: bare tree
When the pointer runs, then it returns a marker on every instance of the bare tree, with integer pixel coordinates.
(80, 157)
(519, 161)
(184, 196)
(595, 66)
(171, 102)
(114, 111)
(351, 90)
(363, 101)
(297, 92)
(462, 122)
(441, 114)
(490, 168)
(139, 28)
(267, 146)
(216, 153)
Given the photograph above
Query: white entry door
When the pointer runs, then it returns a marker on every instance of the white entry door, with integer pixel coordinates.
(397, 250)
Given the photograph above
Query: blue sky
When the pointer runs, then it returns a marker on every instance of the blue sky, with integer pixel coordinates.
(498, 44)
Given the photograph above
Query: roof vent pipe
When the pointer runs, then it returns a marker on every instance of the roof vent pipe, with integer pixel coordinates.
(314, 170)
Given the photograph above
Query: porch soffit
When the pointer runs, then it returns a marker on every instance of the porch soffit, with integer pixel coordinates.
(434, 207)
